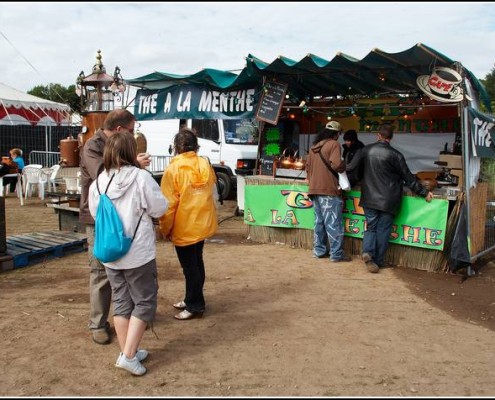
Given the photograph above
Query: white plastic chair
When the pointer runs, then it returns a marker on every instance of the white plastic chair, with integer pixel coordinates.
(53, 176)
(33, 176)
(18, 187)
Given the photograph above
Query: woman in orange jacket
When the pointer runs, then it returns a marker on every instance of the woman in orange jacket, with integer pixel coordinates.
(189, 184)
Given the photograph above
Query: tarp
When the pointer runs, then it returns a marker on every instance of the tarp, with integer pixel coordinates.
(378, 73)
(17, 107)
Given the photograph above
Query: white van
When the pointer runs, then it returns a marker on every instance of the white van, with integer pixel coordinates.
(230, 144)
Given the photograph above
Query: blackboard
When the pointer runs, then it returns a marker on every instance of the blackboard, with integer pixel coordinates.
(266, 165)
(271, 102)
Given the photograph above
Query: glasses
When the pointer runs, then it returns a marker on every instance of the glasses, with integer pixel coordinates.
(132, 129)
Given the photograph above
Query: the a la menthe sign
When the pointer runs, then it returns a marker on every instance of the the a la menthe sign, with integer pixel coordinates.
(190, 101)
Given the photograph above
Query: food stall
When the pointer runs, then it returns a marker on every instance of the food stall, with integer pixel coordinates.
(433, 103)
(435, 106)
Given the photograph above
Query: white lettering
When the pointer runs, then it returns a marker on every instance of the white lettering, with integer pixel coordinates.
(215, 101)
(205, 101)
(482, 135)
(223, 102)
(241, 100)
(147, 104)
(168, 103)
(184, 105)
(249, 99)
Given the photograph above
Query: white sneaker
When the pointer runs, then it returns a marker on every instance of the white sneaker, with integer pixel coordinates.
(132, 365)
(141, 354)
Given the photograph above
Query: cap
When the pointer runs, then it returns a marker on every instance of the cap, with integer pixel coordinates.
(333, 126)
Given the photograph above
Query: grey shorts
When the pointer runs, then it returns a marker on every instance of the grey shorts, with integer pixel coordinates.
(134, 291)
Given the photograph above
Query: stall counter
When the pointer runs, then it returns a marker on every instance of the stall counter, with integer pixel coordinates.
(279, 210)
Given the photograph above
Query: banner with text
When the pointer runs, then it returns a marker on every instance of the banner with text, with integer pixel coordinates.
(190, 101)
(419, 223)
(482, 133)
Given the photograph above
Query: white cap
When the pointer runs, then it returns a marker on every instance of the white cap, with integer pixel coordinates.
(333, 126)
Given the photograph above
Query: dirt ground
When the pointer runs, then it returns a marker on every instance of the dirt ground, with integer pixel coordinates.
(278, 323)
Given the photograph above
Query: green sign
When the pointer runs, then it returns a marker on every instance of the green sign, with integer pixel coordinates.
(482, 127)
(419, 223)
(191, 101)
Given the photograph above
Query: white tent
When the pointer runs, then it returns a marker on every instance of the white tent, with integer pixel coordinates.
(19, 108)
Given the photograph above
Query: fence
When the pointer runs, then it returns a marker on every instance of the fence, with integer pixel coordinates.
(43, 139)
(482, 209)
(159, 163)
(49, 158)
(45, 158)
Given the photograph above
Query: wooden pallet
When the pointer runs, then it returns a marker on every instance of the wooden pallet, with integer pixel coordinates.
(31, 248)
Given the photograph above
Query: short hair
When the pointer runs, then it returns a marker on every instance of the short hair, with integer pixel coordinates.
(16, 151)
(386, 131)
(350, 135)
(120, 150)
(118, 117)
(184, 141)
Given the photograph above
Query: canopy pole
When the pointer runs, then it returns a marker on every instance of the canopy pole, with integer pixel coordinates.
(433, 54)
(261, 127)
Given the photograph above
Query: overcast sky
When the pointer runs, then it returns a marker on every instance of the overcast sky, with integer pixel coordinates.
(42, 43)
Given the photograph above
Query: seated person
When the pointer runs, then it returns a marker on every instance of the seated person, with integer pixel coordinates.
(12, 165)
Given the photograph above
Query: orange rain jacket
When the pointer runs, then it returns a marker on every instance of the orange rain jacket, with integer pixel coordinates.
(189, 184)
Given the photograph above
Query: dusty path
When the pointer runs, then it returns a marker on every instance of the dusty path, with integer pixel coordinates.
(278, 323)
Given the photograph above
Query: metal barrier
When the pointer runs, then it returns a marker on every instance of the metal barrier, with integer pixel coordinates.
(159, 163)
(49, 158)
(45, 158)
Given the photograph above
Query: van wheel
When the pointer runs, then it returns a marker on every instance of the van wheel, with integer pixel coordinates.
(224, 185)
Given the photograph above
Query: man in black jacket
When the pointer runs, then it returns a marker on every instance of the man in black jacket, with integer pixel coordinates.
(384, 172)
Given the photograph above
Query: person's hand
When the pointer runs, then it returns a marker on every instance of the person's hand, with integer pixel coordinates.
(159, 236)
(429, 196)
(144, 159)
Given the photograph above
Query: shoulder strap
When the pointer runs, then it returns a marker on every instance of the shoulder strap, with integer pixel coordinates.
(98, 187)
(137, 226)
(328, 165)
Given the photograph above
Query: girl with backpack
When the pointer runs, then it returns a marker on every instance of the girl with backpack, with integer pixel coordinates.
(137, 198)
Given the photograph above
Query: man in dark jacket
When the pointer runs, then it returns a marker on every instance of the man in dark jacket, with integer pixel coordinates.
(326, 194)
(384, 172)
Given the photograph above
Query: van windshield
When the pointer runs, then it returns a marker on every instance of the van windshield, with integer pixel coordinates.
(241, 131)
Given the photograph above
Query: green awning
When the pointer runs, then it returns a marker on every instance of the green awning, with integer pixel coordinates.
(378, 73)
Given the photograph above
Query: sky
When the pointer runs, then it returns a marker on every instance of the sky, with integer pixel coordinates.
(48, 42)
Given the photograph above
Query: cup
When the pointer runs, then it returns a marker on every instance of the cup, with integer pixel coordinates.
(444, 82)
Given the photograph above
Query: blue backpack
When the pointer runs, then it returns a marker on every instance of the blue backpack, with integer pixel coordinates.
(111, 243)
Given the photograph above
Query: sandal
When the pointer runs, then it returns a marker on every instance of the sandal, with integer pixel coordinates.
(181, 305)
(184, 315)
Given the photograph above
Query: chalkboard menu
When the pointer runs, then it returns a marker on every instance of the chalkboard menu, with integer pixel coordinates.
(266, 165)
(271, 102)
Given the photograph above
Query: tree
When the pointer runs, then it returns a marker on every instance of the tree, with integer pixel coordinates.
(489, 83)
(58, 93)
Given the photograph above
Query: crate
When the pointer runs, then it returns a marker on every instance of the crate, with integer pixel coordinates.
(31, 248)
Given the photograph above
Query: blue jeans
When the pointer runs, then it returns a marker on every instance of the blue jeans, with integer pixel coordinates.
(377, 234)
(329, 226)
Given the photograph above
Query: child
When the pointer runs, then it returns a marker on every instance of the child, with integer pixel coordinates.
(133, 277)
(12, 165)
